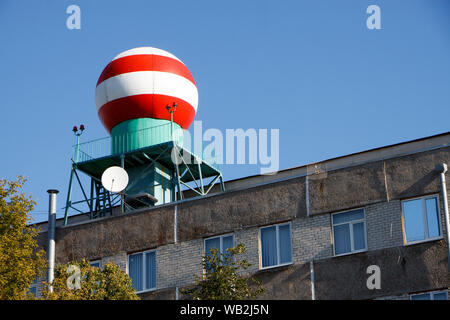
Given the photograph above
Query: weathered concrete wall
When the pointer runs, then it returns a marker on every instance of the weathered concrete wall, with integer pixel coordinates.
(397, 178)
(164, 294)
(414, 175)
(234, 210)
(347, 188)
(283, 283)
(291, 282)
(414, 268)
(107, 237)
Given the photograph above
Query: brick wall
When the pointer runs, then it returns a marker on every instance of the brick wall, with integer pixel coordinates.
(249, 238)
(120, 259)
(176, 264)
(384, 225)
(311, 238)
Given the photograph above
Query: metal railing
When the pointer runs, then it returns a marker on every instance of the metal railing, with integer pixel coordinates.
(130, 141)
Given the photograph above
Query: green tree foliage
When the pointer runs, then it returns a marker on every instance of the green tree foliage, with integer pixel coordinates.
(107, 283)
(20, 259)
(223, 278)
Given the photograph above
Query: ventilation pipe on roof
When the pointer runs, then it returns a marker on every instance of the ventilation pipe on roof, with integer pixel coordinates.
(51, 236)
(442, 169)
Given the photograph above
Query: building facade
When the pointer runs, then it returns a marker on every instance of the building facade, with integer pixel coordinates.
(313, 232)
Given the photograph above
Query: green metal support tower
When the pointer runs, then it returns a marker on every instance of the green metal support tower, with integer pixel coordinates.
(152, 153)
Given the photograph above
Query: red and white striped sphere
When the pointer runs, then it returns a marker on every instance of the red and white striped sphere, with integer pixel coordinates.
(140, 83)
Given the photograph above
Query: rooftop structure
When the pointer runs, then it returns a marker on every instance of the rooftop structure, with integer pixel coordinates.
(145, 98)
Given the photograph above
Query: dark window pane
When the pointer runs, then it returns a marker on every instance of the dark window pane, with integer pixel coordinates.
(342, 239)
(151, 270)
(424, 296)
(227, 242)
(285, 243)
(440, 296)
(359, 236)
(212, 243)
(33, 291)
(269, 246)
(348, 216)
(135, 265)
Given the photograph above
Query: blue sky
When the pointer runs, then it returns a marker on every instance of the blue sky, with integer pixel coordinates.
(310, 68)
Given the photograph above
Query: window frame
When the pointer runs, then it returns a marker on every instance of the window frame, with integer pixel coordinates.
(352, 250)
(144, 266)
(221, 242)
(277, 237)
(431, 293)
(424, 217)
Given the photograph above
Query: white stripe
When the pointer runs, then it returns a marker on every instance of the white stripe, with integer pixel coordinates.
(146, 50)
(146, 82)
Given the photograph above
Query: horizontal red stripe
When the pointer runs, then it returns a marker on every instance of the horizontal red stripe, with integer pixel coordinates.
(145, 106)
(144, 62)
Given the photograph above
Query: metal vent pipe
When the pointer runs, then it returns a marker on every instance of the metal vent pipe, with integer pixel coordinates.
(51, 236)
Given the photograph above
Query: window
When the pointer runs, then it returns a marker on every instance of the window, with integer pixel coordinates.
(349, 232)
(436, 295)
(34, 288)
(142, 270)
(421, 219)
(276, 248)
(221, 243)
(95, 263)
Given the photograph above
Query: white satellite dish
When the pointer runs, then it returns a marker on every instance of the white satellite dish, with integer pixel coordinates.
(115, 179)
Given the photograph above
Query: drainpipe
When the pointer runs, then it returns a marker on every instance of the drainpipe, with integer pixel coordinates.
(442, 169)
(313, 289)
(51, 236)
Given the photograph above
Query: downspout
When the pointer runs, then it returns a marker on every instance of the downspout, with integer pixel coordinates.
(51, 237)
(313, 289)
(175, 240)
(442, 169)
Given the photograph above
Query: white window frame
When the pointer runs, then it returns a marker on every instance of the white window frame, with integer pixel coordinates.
(277, 233)
(144, 267)
(352, 245)
(431, 293)
(424, 217)
(221, 242)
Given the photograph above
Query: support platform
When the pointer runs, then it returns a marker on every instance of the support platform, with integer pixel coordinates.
(178, 169)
